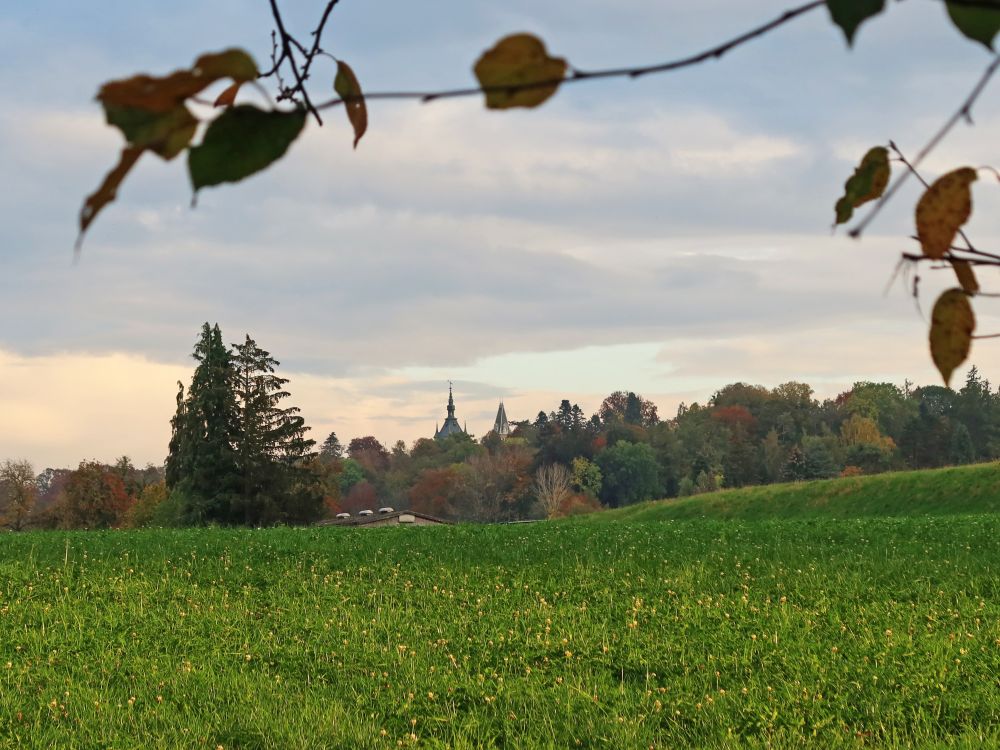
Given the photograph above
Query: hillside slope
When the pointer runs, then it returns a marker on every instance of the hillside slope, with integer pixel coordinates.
(966, 489)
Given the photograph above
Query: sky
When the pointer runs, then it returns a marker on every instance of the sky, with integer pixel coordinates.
(666, 235)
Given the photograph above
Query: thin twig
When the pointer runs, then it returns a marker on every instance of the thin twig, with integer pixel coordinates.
(317, 36)
(286, 53)
(963, 112)
(579, 75)
(917, 258)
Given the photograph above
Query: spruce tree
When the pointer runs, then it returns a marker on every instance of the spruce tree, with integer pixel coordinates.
(202, 466)
(236, 454)
(332, 447)
(177, 453)
(271, 445)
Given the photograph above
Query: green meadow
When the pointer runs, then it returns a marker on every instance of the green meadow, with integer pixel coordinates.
(762, 630)
(962, 489)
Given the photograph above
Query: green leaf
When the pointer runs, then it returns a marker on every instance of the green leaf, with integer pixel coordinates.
(519, 60)
(977, 23)
(241, 141)
(347, 87)
(952, 325)
(166, 134)
(850, 14)
(866, 184)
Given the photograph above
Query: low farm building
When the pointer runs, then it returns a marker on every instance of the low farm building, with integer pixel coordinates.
(391, 518)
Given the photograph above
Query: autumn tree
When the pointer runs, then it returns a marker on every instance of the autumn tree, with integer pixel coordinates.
(369, 453)
(553, 486)
(361, 496)
(629, 408)
(499, 484)
(94, 497)
(440, 492)
(18, 493)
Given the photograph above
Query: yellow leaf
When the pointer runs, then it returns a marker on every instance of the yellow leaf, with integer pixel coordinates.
(108, 188)
(944, 207)
(966, 276)
(952, 324)
(347, 87)
(519, 60)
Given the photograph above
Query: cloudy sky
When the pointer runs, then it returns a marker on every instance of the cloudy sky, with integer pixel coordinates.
(667, 235)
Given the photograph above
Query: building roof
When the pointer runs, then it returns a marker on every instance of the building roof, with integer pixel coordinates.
(451, 425)
(376, 517)
(501, 426)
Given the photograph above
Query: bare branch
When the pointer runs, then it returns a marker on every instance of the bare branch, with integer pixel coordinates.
(964, 112)
(287, 41)
(579, 75)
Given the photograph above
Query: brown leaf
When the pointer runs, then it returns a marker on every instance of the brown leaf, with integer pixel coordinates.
(162, 94)
(231, 63)
(228, 96)
(347, 87)
(108, 189)
(519, 60)
(952, 324)
(944, 207)
(966, 276)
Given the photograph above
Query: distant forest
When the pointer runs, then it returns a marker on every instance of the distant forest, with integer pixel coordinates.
(239, 456)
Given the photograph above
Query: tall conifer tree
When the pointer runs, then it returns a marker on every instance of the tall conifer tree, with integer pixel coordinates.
(202, 465)
(236, 454)
(272, 439)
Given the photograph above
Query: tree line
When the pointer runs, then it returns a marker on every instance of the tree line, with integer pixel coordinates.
(239, 456)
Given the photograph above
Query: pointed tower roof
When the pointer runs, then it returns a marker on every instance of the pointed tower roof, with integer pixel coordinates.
(501, 426)
(451, 425)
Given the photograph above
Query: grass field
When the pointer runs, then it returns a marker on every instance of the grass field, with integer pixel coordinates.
(964, 489)
(822, 632)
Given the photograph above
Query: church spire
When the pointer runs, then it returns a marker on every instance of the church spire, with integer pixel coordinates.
(451, 425)
(501, 426)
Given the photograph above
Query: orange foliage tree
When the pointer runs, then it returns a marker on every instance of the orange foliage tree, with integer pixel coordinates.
(94, 497)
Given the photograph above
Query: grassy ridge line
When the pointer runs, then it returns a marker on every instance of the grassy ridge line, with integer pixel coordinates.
(965, 489)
